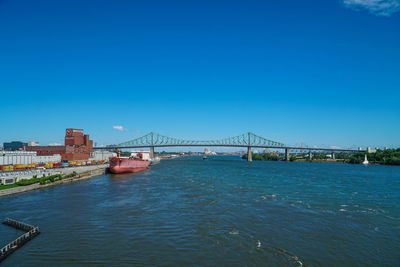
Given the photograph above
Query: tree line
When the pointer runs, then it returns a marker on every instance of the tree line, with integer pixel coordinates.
(384, 157)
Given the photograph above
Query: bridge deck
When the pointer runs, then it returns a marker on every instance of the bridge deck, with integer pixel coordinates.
(244, 146)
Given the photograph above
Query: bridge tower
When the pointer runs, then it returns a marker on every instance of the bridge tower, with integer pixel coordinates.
(287, 154)
(152, 152)
(249, 154)
(152, 146)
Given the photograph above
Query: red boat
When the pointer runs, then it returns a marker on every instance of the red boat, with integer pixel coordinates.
(128, 164)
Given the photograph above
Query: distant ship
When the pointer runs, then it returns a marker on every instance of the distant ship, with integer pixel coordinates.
(365, 162)
(128, 164)
(155, 161)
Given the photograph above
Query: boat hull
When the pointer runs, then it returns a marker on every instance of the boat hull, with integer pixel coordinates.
(117, 170)
(127, 165)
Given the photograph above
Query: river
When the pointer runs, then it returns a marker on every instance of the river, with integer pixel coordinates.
(222, 211)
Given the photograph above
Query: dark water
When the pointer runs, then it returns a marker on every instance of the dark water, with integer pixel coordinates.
(218, 212)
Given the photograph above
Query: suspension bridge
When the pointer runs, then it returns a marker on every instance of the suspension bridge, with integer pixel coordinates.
(247, 140)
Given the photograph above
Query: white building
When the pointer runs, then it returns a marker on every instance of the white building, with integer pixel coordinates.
(17, 157)
(25, 157)
(145, 154)
(102, 155)
(46, 159)
(7, 180)
(33, 143)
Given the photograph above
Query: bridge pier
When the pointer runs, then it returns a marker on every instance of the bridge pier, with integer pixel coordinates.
(249, 155)
(333, 155)
(287, 154)
(310, 155)
(152, 152)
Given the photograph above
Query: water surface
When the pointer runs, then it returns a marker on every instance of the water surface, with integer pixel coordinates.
(219, 212)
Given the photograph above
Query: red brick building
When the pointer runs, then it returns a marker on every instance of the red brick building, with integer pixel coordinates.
(77, 146)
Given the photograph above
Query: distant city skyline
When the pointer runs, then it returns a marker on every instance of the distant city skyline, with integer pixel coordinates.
(322, 73)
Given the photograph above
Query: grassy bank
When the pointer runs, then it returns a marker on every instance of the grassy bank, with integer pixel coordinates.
(8, 186)
(42, 180)
(48, 181)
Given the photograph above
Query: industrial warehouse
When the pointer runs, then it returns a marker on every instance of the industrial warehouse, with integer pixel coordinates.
(20, 160)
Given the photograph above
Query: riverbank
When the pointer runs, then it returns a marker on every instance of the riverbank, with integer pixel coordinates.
(83, 173)
(379, 157)
(322, 160)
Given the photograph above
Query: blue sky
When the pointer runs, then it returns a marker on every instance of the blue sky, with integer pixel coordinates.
(313, 72)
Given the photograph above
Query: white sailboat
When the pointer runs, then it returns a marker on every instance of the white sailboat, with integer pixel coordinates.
(365, 162)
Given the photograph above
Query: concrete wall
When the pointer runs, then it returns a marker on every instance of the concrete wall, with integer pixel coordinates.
(15, 176)
(25, 174)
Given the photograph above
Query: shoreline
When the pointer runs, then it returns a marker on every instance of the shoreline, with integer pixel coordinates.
(331, 161)
(87, 174)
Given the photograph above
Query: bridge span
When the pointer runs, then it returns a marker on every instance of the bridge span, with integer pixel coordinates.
(247, 140)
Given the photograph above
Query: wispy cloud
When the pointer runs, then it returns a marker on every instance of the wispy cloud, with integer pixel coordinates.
(119, 128)
(376, 7)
